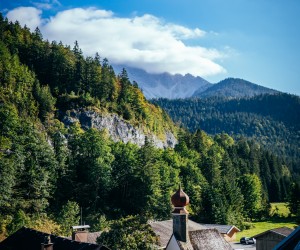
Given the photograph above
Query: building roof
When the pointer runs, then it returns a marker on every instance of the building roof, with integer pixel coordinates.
(164, 229)
(283, 231)
(291, 242)
(92, 237)
(223, 229)
(204, 239)
(208, 239)
(26, 238)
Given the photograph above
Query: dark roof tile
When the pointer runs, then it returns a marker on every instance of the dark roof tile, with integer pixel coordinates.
(92, 237)
(292, 241)
(164, 229)
(26, 238)
(223, 229)
(208, 239)
(283, 231)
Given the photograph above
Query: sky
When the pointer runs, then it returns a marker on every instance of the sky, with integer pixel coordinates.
(256, 40)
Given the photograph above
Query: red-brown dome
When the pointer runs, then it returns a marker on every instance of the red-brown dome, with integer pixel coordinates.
(180, 198)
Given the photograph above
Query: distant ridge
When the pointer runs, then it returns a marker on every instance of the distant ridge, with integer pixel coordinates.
(234, 88)
(176, 86)
(272, 120)
(165, 85)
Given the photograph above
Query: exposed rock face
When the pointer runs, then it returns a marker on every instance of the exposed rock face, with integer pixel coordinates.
(118, 129)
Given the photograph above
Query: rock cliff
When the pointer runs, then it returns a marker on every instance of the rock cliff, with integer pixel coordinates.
(118, 128)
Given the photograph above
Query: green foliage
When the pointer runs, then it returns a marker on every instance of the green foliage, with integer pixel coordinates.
(143, 168)
(100, 223)
(19, 219)
(90, 167)
(294, 200)
(252, 193)
(129, 233)
(9, 161)
(16, 83)
(193, 182)
(271, 120)
(150, 179)
(280, 209)
(45, 100)
(7, 180)
(125, 180)
(258, 227)
(68, 217)
(5, 220)
(45, 224)
(36, 181)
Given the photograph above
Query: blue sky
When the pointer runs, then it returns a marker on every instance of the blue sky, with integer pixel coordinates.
(257, 40)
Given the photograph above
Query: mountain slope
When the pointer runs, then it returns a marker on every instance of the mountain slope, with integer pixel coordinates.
(165, 85)
(271, 120)
(69, 81)
(234, 88)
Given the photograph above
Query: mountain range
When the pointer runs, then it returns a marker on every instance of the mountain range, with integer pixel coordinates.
(169, 86)
(165, 85)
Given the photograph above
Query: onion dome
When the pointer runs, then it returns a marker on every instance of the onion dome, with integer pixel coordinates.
(180, 198)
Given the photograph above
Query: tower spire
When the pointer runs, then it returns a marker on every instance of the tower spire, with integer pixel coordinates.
(180, 215)
(179, 200)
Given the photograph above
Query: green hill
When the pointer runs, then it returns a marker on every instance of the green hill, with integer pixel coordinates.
(272, 120)
(233, 88)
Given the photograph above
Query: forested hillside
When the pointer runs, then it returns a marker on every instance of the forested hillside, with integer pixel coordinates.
(49, 170)
(233, 88)
(272, 120)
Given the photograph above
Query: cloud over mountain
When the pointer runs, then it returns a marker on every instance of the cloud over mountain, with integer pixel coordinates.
(145, 41)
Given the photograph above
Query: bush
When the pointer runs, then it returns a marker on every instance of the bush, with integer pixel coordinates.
(247, 225)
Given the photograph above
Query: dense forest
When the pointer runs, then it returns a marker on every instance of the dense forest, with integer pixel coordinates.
(48, 171)
(272, 120)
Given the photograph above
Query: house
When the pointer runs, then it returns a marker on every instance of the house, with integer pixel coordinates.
(92, 237)
(182, 237)
(228, 231)
(269, 239)
(30, 239)
(291, 242)
(205, 239)
(164, 230)
(80, 233)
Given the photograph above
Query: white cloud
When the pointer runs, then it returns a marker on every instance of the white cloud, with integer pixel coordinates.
(26, 15)
(142, 41)
(46, 4)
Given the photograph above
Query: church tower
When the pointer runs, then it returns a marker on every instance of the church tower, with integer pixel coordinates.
(180, 215)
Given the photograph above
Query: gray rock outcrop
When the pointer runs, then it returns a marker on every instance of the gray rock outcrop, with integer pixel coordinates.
(117, 128)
